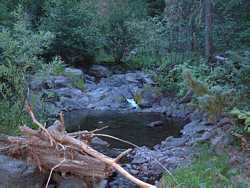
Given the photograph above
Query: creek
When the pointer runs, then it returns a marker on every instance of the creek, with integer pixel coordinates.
(134, 127)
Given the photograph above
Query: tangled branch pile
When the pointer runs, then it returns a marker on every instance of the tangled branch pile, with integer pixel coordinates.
(53, 149)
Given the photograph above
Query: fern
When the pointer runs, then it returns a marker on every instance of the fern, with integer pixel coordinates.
(242, 115)
(212, 100)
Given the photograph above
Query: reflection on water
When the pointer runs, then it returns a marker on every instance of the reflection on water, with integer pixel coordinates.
(128, 126)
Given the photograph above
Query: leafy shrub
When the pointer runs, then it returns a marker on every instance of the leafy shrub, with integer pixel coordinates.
(12, 98)
(170, 75)
(152, 37)
(79, 84)
(170, 79)
(198, 87)
(76, 28)
(55, 67)
(244, 116)
(119, 33)
(213, 100)
(21, 45)
(233, 74)
(155, 7)
(20, 48)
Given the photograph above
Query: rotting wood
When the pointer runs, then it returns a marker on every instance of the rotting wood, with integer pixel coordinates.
(53, 149)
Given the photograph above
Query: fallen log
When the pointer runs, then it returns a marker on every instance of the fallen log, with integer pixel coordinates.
(53, 149)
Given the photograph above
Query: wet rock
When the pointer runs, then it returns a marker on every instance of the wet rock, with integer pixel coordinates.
(155, 124)
(18, 174)
(100, 142)
(99, 71)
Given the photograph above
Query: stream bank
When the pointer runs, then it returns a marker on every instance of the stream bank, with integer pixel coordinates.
(104, 96)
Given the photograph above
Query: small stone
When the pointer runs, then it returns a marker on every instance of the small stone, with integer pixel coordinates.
(155, 124)
(98, 141)
(134, 172)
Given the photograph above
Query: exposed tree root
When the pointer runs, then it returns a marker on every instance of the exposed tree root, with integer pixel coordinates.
(53, 149)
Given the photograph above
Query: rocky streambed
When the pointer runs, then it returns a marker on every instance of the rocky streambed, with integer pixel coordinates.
(165, 130)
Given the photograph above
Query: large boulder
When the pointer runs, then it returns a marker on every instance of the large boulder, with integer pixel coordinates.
(18, 174)
(139, 77)
(73, 72)
(146, 97)
(39, 82)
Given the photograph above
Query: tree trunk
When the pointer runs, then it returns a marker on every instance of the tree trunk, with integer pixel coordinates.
(208, 29)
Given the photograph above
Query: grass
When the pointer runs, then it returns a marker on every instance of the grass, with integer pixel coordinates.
(207, 171)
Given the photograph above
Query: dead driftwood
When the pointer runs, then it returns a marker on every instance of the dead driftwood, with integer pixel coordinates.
(53, 149)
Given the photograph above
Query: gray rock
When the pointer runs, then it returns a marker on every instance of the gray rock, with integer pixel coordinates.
(139, 77)
(89, 79)
(195, 127)
(174, 142)
(38, 83)
(102, 184)
(121, 182)
(98, 141)
(222, 139)
(98, 71)
(147, 97)
(61, 81)
(155, 124)
(18, 174)
(72, 183)
(73, 72)
(71, 104)
(68, 92)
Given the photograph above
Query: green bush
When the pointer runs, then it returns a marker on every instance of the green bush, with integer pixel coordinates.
(55, 67)
(243, 116)
(76, 27)
(20, 48)
(119, 33)
(208, 170)
(231, 75)
(211, 99)
(170, 79)
(152, 36)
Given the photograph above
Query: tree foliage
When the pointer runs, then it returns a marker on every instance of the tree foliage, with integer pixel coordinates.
(161, 36)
